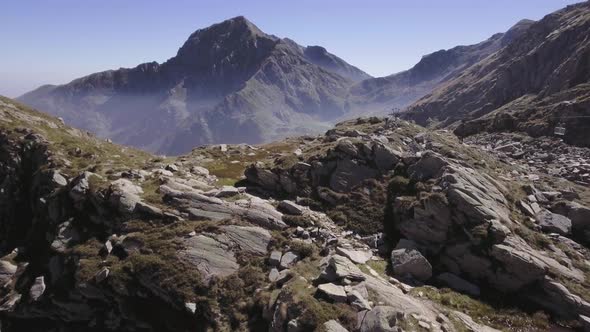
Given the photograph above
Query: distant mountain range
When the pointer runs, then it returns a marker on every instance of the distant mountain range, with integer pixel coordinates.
(233, 83)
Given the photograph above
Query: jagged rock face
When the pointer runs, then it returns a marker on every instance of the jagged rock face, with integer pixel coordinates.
(224, 86)
(546, 63)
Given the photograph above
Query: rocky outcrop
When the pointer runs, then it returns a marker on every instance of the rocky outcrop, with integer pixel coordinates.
(457, 217)
(211, 256)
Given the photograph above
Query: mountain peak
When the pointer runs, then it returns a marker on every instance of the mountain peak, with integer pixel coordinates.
(238, 24)
(235, 37)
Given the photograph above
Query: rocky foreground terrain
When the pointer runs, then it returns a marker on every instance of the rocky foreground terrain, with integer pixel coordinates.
(378, 225)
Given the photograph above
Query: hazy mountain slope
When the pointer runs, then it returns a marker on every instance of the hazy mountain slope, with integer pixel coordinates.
(380, 95)
(286, 96)
(208, 80)
(553, 55)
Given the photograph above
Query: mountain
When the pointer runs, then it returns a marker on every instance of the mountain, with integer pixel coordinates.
(381, 95)
(533, 83)
(228, 83)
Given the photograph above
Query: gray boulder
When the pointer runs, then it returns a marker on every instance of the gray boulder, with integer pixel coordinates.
(251, 239)
(356, 256)
(429, 166)
(385, 157)
(553, 223)
(340, 267)
(357, 301)
(210, 256)
(578, 214)
(125, 195)
(380, 319)
(475, 196)
(275, 258)
(410, 262)
(334, 292)
(80, 187)
(288, 260)
(58, 179)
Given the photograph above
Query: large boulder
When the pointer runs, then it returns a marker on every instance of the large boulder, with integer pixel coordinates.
(340, 267)
(410, 262)
(431, 220)
(250, 239)
(380, 319)
(385, 157)
(210, 256)
(578, 214)
(334, 292)
(428, 166)
(475, 196)
(553, 223)
(124, 195)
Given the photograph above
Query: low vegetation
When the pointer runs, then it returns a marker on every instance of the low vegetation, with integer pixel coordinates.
(508, 319)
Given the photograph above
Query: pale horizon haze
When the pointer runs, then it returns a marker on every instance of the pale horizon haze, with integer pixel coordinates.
(54, 42)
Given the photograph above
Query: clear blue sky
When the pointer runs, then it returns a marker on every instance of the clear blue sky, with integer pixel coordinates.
(55, 41)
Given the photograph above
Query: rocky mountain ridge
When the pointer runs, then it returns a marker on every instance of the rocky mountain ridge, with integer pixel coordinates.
(380, 96)
(534, 84)
(365, 228)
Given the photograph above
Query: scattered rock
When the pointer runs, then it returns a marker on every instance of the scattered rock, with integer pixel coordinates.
(357, 256)
(288, 259)
(172, 168)
(357, 301)
(340, 267)
(275, 258)
(334, 292)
